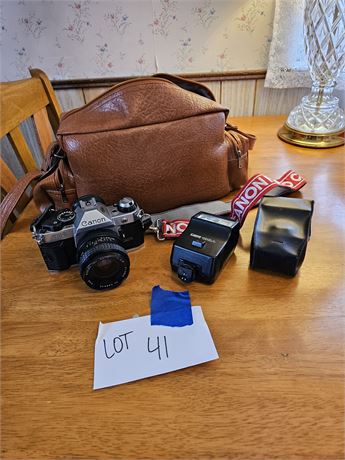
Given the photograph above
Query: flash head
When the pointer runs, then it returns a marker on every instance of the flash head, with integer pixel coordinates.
(203, 248)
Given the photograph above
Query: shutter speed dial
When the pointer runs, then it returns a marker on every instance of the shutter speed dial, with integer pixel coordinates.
(66, 216)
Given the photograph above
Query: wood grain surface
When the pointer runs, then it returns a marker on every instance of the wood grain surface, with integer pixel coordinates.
(277, 391)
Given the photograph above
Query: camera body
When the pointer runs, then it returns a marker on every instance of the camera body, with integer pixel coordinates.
(203, 248)
(93, 235)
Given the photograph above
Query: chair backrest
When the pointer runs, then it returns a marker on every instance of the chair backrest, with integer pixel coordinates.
(19, 100)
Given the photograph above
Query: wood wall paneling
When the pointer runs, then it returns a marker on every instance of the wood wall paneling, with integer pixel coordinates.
(91, 93)
(238, 96)
(27, 128)
(243, 92)
(270, 101)
(10, 158)
(242, 97)
(215, 87)
(30, 134)
(21, 149)
(70, 98)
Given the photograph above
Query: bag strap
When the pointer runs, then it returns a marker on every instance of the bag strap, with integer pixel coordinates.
(11, 200)
(13, 197)
(257, 187)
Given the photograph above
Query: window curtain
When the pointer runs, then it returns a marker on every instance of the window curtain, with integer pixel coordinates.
(287, 63)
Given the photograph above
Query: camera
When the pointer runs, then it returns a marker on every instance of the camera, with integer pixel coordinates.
(203, 248)
(93, 235)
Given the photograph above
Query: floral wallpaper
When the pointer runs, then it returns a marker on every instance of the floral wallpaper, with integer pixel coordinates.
(101, 38)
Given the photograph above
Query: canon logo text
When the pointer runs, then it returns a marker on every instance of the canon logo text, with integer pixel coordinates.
(87, 223)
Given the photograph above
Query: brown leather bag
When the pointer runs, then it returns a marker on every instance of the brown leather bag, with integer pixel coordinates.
(162, 140)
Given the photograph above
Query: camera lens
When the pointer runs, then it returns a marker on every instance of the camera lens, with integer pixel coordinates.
(106, 266)
(103, 263)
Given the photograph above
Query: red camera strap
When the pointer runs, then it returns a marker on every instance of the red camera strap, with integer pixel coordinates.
(258, 186)
(248, 197)
(173, 228)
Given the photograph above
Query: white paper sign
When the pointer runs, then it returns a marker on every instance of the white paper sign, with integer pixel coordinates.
(133, 349)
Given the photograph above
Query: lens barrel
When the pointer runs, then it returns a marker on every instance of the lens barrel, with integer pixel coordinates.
(103, 262)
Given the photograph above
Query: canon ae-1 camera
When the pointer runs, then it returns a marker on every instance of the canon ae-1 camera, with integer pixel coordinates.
(203, 248)
(93, 235)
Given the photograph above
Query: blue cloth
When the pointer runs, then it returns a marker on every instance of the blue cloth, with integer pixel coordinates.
(169, 308)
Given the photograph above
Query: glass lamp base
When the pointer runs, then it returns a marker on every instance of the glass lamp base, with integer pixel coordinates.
(318, 113)
(311, 140)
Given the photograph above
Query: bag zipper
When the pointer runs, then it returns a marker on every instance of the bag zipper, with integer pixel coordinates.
(238, 151)
(61, 186)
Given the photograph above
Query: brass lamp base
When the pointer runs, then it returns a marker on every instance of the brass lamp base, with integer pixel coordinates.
(315, 141)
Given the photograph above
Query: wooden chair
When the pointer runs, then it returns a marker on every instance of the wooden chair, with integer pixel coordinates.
(32, 98)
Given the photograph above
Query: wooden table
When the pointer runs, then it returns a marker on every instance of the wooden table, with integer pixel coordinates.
(277, 391)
